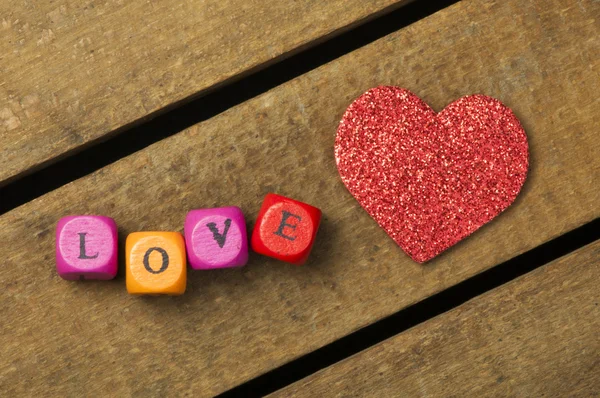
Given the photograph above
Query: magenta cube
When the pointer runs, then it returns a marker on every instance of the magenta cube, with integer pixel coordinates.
(86, 247)
(216, 238)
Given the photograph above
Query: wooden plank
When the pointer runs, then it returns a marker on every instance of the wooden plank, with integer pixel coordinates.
(72, 72)
(232, 325)
(534, 337)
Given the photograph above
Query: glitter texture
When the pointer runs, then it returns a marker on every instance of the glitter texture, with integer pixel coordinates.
(430, 179)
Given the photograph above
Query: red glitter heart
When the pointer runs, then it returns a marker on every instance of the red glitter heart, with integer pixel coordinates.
(430, 179)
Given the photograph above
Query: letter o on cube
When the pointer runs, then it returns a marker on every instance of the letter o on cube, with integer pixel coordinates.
(155, 263)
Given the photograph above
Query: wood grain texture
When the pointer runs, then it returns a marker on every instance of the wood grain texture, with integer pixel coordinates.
(234, 324)
(534, 337)
(72, 72)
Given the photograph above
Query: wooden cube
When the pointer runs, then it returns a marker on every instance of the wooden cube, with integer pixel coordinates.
(86, 247)
(216, 238)
(285, 229)
(155, 263)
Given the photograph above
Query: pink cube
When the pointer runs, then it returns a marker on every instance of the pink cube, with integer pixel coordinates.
(86, 247)
(216, 238)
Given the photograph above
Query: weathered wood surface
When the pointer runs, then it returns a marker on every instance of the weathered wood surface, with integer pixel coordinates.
(232, 325)
(71, 71)
(534, 337)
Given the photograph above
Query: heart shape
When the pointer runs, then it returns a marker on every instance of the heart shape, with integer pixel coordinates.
(430, 179)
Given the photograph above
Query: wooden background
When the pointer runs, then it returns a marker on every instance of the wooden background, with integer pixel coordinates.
(73, 73)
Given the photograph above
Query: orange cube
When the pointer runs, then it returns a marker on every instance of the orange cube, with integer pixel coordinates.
(155, 263)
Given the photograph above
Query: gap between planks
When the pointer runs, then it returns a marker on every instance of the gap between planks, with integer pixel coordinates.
(75, 73)
(536, 336)
(118, 144)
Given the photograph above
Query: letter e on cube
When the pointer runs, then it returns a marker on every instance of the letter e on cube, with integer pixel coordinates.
(285, 229)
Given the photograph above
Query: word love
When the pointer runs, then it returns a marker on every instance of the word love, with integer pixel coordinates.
(156, 262)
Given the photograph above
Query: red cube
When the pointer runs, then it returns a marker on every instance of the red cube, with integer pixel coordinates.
(285, 229)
